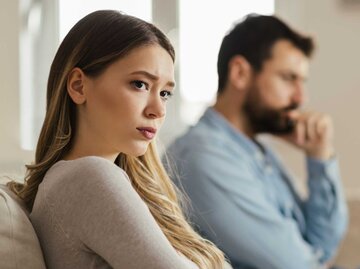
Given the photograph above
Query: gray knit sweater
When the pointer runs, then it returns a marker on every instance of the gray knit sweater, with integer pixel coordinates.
(87, 215)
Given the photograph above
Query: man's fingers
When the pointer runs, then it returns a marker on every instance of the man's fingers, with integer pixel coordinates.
(300, 133)
(324, 126)
(312, 126)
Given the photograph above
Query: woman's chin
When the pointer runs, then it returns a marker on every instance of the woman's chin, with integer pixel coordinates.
(138, 151)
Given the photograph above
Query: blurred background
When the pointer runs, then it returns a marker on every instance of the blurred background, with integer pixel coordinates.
(31, 31)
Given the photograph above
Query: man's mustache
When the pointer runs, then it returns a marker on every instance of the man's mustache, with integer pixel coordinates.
(293, 106)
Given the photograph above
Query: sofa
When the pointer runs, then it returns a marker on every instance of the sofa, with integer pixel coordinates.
(19, 245)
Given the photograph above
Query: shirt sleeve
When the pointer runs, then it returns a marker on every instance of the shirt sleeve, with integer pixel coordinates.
(232, 210)
(325, 210)
(102, 210)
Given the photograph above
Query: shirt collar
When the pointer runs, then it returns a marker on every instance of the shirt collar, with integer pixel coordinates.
(212, 117)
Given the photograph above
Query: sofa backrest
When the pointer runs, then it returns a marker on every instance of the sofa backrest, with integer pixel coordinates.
(19, 245)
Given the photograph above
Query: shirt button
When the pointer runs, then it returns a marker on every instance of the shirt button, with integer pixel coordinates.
(330, 170)
(259, 157)
(268, 169)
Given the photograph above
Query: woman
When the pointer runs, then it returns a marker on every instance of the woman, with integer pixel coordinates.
(98, 194)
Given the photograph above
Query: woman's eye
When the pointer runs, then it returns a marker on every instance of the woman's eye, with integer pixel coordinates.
(166, 94)
(140, 85)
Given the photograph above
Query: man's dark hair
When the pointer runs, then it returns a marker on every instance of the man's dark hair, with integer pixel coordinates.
(254, 38)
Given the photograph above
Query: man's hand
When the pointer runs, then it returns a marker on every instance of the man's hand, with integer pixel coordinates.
(313, 133)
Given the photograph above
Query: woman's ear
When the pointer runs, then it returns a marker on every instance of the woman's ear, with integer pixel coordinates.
(240, 72)
(75, 86)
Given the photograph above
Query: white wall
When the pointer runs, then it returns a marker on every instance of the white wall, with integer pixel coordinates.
(12, 157)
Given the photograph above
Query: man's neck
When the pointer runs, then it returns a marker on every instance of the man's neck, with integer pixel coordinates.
(231, 110)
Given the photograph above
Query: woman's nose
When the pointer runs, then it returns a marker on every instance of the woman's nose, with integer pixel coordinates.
(156, 107)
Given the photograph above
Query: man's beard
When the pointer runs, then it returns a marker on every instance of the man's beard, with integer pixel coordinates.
(267, 120)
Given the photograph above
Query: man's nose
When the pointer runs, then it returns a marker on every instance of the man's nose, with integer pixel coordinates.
(299, 96)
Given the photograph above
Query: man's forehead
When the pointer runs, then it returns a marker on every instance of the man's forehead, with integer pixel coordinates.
(286, 56)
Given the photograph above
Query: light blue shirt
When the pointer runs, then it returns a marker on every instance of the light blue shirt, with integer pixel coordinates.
(243, 200)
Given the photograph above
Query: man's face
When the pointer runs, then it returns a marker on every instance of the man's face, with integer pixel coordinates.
(277, 90)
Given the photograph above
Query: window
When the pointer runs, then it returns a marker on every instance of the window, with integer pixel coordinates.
(202, 27)
(72, 11)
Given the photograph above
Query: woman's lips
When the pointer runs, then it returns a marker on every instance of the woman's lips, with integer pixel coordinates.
(147, 132)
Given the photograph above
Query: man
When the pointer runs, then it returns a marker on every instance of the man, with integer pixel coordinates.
(241, 196)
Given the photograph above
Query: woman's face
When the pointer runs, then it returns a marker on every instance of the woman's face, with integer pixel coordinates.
(126, 105)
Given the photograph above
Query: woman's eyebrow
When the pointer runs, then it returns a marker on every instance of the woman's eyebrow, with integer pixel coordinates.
(152, 77)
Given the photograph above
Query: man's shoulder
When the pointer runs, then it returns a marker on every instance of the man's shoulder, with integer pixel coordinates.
(199, 137)
(215, 150)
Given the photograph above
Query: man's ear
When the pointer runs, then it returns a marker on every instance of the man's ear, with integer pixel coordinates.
(75, 86)
(240, 72)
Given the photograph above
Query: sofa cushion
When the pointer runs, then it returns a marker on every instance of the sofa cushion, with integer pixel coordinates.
(19, 245)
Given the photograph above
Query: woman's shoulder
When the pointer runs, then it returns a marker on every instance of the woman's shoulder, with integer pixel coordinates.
(89, 167)
(86, 174)
(91, 161)
(88, 182)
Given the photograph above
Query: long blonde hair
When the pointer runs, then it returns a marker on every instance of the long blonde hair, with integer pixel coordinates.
(95, 42)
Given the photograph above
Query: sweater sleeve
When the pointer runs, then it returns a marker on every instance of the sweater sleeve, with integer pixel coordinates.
(99, 208)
